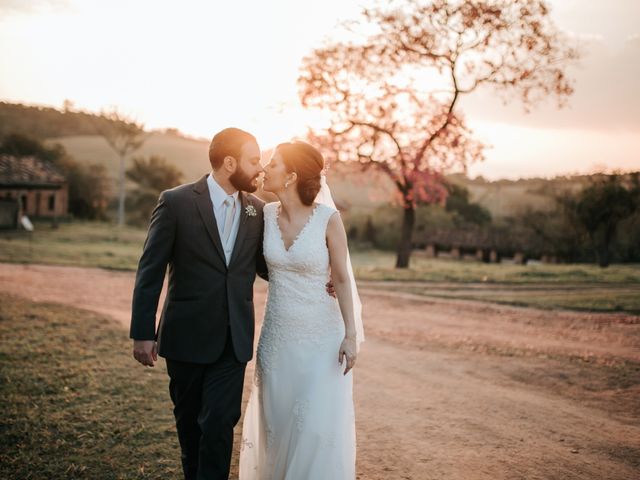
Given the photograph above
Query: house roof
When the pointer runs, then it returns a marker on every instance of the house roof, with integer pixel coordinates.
(28, 171)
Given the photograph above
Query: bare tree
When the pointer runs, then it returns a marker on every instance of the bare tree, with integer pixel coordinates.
(393, 87)
(124, 136)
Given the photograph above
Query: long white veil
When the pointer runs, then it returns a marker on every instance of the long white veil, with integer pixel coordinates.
(324, 197)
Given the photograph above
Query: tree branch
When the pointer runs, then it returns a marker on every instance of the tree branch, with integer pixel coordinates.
(447, 121)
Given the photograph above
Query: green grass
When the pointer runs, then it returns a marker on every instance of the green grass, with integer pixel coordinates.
(379, 265)
(592, 298)
(75, 404)
(85, 244)
(101, 244)
(574, 286)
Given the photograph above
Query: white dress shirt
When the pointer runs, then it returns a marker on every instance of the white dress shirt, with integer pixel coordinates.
(218, 196)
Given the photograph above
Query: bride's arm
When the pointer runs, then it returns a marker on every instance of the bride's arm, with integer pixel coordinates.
(338, 248)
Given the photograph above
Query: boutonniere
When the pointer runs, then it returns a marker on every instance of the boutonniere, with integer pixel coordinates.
(250, 210)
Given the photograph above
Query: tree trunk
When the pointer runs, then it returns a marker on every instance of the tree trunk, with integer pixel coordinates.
(600, 245)
(603, 257)
(603, 251)
(406, 238)
(121, 193)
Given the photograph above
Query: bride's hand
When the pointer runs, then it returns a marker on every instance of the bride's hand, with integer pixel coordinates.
(348, 351)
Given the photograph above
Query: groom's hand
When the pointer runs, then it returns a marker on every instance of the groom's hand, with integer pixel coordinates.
(330, 290)
(145, 351)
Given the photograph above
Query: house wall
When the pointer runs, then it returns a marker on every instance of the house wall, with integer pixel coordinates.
(8, 213)
(40, 202)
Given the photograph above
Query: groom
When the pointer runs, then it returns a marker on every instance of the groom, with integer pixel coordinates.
(209, 233)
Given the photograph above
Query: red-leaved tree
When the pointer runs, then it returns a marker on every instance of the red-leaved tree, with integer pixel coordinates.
(393, 85)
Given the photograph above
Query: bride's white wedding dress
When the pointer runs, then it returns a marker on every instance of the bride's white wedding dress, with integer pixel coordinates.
(299, 423)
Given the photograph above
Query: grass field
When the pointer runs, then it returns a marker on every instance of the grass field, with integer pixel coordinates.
(75, 404)
(378, 265)
(575, 286)
(85, 244)
(582, 297)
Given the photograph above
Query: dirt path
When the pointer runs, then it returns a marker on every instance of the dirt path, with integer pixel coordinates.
(450, 389)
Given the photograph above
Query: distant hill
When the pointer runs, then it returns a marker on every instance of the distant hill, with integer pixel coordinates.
(502, 198)
(190, 156)
(511, 197)
(44, 122)
(76, 131)
(361, 191)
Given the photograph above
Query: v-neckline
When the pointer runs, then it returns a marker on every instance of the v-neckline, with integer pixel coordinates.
(304, 227)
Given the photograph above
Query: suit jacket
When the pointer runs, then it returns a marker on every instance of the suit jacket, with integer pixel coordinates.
(205, 296)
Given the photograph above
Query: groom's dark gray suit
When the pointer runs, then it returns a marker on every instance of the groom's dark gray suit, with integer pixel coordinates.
(206, 328)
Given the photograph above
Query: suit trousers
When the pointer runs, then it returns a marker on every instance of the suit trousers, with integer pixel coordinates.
(207, 405)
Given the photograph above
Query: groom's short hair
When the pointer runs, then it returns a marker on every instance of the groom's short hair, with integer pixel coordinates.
(228, 142)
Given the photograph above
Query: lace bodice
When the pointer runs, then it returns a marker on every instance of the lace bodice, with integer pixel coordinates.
(308, 255)
(298, 305)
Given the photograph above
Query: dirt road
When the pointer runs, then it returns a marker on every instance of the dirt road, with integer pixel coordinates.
(450, 389)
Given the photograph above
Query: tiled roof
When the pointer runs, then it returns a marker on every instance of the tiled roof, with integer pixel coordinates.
(28, 171)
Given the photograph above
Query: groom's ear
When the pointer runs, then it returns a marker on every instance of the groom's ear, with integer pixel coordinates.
(229, 163)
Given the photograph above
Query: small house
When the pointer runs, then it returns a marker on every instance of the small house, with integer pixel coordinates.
(30, 186)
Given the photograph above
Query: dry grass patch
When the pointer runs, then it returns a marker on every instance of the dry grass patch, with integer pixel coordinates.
(74, 403)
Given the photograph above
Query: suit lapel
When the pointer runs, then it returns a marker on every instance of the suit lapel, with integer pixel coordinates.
(242, 228)
(205, 208)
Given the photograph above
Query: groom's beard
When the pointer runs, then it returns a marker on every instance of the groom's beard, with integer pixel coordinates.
(241, 181)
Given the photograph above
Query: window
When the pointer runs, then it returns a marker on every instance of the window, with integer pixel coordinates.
(52, 202)
(23, 200)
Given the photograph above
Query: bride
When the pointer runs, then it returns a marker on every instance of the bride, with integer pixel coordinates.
(300, 423)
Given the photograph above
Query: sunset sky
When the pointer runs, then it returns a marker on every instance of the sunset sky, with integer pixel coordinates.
(200, 66)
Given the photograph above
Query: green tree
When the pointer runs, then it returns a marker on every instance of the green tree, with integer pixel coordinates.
(458, 202)
(554, 232)
(89, 190)
(601, 207)
(151, 177)
(20, 145)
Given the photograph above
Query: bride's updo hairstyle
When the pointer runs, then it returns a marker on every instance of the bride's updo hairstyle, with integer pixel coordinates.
(307, 162)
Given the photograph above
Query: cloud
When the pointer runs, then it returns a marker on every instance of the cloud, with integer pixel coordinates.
(606, 94)
(613, 20)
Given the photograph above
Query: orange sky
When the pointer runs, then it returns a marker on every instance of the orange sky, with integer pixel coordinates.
(201, 66)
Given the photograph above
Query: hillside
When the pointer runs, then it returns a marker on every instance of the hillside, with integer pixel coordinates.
(190, 156)
(76, 131)
(45, 122)
(362, 191)
(511, 197)
(501, 197)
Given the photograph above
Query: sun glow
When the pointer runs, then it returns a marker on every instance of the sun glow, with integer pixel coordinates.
(197, 66)
(202, 66)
